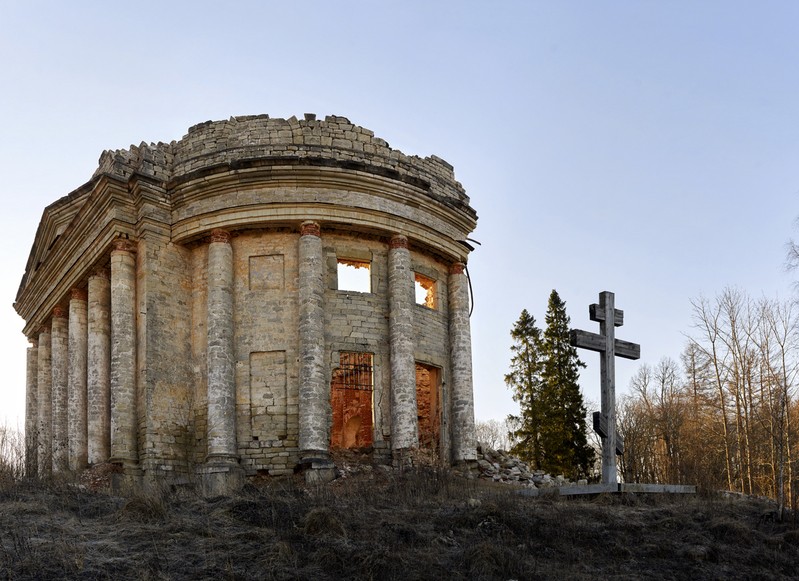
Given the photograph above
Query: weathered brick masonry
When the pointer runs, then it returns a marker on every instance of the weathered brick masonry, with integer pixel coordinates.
(187, 315)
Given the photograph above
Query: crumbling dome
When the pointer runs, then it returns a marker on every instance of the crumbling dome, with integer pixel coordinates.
(246, 300)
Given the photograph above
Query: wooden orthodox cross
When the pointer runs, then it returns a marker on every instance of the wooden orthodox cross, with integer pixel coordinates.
(609, 348)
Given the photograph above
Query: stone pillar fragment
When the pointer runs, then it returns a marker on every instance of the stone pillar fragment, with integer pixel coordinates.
(123, 353)
(32, 411)
(60, 370)
(404, 424)
(315, 415)
(460, 340)
(76, 381)
(44, 383)
(98, 381)
(221, 369)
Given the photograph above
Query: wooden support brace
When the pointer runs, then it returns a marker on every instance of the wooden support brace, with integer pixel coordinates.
(601, 428)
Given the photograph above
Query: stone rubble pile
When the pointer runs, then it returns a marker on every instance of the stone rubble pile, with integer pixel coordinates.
(500, 466)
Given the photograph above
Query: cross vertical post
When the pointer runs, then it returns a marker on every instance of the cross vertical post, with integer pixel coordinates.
(608, 347)
(607, 382)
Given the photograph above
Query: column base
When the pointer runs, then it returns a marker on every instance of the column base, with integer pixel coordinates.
(124, 477)
(468, 468)
(221, 476)
(317, 467)
(403, 458)
(222, 459)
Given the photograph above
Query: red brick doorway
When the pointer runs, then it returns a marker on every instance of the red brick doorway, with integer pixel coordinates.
(351, 394)
(428, 380)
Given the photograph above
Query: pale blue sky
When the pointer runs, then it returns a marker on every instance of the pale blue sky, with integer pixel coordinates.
(648, 148)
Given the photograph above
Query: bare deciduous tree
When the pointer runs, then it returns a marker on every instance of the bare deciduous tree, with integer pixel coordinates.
(493, 433)
(727, 418)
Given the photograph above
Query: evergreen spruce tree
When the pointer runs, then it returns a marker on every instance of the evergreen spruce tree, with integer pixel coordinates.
(524, 380)
(564, 442)
(550, 431)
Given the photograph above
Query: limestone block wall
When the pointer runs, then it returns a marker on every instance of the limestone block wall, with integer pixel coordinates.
(164, 290)
(187, 315)
(266, 349)
(358, 321)
(432, 341)
(210, 144)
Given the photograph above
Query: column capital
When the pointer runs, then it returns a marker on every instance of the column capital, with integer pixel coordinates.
(44, 328)
(310, 228)
(101, 272)
(34, 341)
(59, 312)
(219, 235)
(123, 245)
(398, 241)
(78, 294)
(457, 268)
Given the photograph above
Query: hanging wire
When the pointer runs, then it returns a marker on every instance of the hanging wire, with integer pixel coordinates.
(468, 277)
(471, 291)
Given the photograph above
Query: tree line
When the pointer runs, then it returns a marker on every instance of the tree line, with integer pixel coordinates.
(725, 416)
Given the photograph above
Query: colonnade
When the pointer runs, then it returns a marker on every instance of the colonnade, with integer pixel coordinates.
(314, 437)
(82, 404)
(81, 383)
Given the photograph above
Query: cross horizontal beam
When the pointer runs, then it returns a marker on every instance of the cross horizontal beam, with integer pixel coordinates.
(596, 342)
(597, 313)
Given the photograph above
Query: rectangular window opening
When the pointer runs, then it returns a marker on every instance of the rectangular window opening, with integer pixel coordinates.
(425, 291)
(354, 275)
(351, 394)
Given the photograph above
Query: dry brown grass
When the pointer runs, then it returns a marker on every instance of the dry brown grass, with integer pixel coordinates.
(424, 523)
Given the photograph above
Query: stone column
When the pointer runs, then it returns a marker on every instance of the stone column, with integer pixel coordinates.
(44, 400)
(315, 415)
(32, 411)
(98, 373)
(404, 411)
(221, 369)
(60, 370)
(123, 353)
(76, 384)
(460, 341)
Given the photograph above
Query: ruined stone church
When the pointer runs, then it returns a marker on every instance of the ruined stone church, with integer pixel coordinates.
(247, 300)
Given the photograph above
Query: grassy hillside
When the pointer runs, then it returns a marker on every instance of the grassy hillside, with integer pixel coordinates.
(377, 524)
